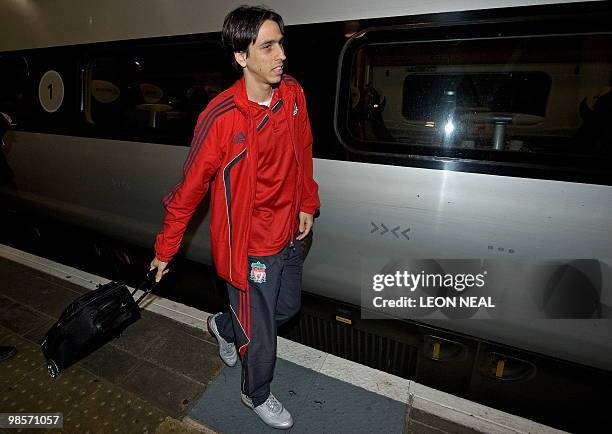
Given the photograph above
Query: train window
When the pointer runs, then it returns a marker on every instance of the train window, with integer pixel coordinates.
(436, 96)
(155, 91)
(447, 97)
(15, 81)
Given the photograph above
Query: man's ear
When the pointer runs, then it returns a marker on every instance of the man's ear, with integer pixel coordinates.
(241, 57)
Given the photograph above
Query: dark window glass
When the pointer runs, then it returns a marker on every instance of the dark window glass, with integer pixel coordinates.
(154, 91)
(15, 84)
(544, 94)
(430, 96)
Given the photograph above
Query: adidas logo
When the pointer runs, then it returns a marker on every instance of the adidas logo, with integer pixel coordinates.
(240, 138)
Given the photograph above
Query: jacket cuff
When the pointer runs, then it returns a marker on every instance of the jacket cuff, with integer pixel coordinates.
(308, 210)
(163, 258)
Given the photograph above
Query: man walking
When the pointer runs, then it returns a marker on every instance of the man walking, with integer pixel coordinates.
(253, 146)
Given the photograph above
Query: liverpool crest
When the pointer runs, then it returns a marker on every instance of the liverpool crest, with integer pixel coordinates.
(258, 272)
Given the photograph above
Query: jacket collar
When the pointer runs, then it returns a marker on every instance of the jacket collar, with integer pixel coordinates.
(241, 100)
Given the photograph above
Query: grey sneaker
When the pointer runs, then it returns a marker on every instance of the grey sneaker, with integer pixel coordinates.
(271, 412)
(227, 350)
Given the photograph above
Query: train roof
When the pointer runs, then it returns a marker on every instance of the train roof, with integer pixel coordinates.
(30, 24)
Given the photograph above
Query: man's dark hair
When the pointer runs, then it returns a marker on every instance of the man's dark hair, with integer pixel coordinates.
(241, 26)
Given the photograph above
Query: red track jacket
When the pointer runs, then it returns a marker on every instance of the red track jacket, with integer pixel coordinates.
(223, 155)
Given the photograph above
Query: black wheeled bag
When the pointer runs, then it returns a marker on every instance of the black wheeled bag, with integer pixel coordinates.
(91, 321)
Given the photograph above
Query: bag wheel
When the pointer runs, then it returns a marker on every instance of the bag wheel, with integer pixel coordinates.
(52, 368)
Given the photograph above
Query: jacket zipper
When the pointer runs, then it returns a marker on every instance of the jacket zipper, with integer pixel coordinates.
(228, 205)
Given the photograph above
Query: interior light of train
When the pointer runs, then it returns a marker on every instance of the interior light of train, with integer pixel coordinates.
(449, 127)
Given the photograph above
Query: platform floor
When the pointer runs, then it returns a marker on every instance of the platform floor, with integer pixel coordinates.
(145, 381)
(163, 376)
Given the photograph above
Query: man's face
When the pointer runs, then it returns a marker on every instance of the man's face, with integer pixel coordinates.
(264, 62)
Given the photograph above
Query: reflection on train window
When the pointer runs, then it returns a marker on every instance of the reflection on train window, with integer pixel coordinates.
(157, 90)
(547, 94)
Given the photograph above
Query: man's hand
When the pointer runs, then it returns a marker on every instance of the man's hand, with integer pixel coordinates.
(161, 268)
(306, 222)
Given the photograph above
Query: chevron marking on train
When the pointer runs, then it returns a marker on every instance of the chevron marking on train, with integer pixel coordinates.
(385, 229)
(404, 233)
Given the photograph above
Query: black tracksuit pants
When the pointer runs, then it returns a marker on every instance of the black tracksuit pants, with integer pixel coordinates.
(273, 297)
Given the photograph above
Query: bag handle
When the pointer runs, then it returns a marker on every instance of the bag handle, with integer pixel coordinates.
(147, 285)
